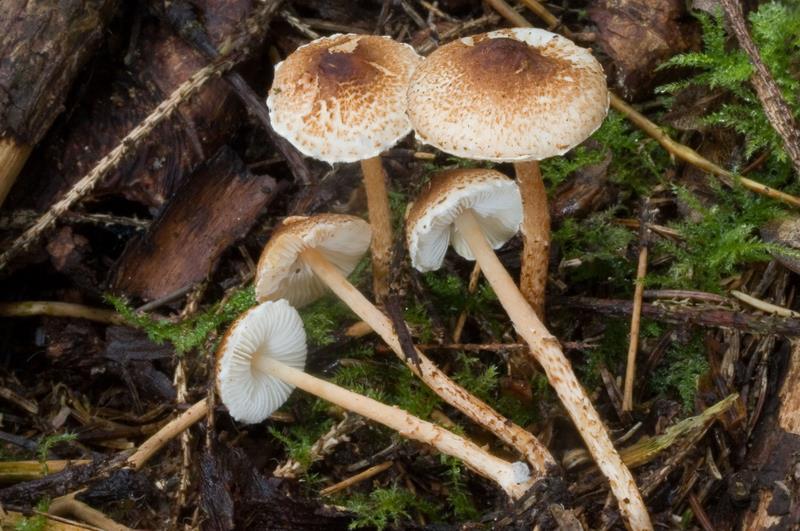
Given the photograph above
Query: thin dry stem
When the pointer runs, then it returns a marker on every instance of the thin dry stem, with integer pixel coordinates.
(545, 348)
(764, 306)
(168, 432)
(636, 314)
(535, 231)
(474, 277)
(380, 219)
(358, 478)
(636, 320)
(405, 424)
(481, 413)
(677, 149)
(69, 505)
(13, 156)
(59, 309)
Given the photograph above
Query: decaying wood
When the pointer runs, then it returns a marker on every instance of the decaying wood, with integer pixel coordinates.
(773, 461)
(254, 29)
(212, 210)
(43, 45)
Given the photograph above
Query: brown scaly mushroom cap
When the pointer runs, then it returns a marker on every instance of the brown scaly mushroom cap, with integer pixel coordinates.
(430, 222)
(343, 98)
(281, 272)
(508, 95)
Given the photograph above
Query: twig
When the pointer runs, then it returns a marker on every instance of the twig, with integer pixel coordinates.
(361, 476)
(684, 294)
(700, 513)
(23, 403)
(685, 315)
(677, 149)
(474, 277)
(763, 305)
(68, 504)
(59, 309)
(168, 432)
(22, 218)
(778, 112)
(254, 26)
(636, 313)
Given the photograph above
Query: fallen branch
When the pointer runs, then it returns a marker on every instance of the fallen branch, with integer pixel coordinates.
(688, 315)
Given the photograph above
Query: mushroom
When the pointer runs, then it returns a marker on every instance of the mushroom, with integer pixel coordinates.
(343, 99)
(261, 360)
(514, 95)
(477, 210)
(306, 255)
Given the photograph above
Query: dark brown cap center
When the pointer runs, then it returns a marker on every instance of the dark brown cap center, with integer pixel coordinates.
(340, 66)
(510, 56)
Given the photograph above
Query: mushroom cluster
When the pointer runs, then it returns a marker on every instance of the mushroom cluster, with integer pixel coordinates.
(517, 95)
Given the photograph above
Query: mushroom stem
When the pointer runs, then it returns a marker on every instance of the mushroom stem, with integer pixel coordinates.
(380, 219)
(535, 234)
(513, 482)
(516, 437)
(13, 156)
(545, 348)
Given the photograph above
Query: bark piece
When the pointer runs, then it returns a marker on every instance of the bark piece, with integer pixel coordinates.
(161, 61)
(216, 207)
(43, 46)
(638, 35)
(772, 465)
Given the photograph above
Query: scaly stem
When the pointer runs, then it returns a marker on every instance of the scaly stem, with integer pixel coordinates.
(380, 218)
(535, 235)
(516, 437)
(407, 425)
(547, 351)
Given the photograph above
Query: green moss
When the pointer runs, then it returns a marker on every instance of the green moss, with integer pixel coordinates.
(299, 440)
(776, 32)
(682, 366)
(47, 443)
(461, 502)
(388, 506)
(719, 241)
(600, 245)
(37, 522)
(191, 333)
(324, 319)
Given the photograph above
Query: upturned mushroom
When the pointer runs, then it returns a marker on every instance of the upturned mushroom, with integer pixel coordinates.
(514, 95)
(342, 99)
(476, 210)
(307, 255)
(262, 359)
